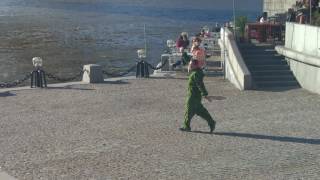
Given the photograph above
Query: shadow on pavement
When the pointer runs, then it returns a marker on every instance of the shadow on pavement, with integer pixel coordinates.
(6, 94)
(202, 132)
(115, 82)
(277, 89)
(170, 77)
(74, 87)
(272, 138)
(218, 98)
(70, 88)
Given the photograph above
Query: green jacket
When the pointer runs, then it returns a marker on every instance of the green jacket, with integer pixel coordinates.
(196, 88)
(185, 58)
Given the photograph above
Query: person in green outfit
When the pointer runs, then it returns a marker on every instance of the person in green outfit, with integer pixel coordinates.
(196, 90)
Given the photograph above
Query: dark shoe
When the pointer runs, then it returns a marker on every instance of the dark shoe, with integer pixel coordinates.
(185, 129)
(212, 127)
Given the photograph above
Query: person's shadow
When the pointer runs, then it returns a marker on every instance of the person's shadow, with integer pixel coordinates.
(6, 94)
(266, 137)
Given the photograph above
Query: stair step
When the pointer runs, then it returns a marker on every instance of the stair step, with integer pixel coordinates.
(214, 63)
(274, 78)
(257, 58)
(256, 46)
(268, 56)
(268, 67)
(265, 62)
(262, 58)
(270, 72)
(277, 83)
(258, 51)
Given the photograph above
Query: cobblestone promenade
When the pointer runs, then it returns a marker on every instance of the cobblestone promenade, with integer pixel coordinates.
(129, 130)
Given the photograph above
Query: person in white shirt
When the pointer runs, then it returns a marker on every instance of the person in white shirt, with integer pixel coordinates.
(264, 17)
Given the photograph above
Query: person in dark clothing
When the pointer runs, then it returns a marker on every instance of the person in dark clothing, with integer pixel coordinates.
(291, 15)
(217, 28)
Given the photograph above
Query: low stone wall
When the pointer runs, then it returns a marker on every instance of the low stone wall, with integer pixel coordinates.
(302, 50)
(236, 70)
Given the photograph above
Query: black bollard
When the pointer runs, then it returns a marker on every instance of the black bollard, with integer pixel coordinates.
(146, 70)
(138, 69)
(38, 78)
(142, 70)
(43, 74)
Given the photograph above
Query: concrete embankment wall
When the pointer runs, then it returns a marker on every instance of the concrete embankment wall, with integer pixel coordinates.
(302, 50)
(236, 70)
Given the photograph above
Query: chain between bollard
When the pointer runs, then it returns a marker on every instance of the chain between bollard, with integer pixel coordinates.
(119, 74)
(15, 83)
(157, 68)
(51, 76)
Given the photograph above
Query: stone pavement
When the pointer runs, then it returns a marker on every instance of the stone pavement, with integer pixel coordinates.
(129, 130)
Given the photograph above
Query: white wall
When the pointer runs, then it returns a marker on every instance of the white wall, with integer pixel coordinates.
(302, 49)
(303, 38)
(236, 70)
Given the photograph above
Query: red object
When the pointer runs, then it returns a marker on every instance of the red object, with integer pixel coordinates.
(263, 31)
(200, 55)
(301, 19)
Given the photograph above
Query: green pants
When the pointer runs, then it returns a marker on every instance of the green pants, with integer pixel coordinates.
(197, 108)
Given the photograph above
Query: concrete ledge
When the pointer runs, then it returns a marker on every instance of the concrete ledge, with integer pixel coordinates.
(298, 56)
(236, 70)
(92, 73)
(3, 90)
(306, 68)
(49, 85)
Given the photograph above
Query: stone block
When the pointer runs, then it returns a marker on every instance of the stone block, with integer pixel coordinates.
(164, 58)
(92, 73)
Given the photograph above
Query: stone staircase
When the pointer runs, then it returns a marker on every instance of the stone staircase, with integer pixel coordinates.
(268, 69)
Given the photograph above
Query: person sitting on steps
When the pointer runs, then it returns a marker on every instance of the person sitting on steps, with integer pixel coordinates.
(198, 53)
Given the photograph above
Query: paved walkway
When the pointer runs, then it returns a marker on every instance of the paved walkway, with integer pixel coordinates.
(129, 130)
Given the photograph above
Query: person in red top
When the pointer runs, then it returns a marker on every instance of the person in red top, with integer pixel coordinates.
(182, 42)
(198, 53)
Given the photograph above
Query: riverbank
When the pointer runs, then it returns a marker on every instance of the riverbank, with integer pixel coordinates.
(129, 129)
(68, 34)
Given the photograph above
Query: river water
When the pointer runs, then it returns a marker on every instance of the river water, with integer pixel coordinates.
(69, 34)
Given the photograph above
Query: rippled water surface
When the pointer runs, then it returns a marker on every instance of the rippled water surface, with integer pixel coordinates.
(68, 34)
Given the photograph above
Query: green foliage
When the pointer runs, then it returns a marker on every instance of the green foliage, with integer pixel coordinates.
(241, 23)
(316, 18)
